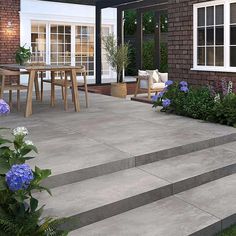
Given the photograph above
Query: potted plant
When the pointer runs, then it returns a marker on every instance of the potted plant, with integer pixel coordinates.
(118, 58)
(23, 55)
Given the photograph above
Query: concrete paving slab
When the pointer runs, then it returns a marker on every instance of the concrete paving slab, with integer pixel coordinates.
(118, 128)
(217, 198)
(116, 191)
(178, 169)
(167, 217)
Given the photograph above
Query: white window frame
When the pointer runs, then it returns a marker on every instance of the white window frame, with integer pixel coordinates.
(226, 67)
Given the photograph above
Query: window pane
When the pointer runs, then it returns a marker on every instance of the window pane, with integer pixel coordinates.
(233, 35)
(233, 13)
(210, 15)
(233, 56)
(210, 56)
(219, 15)
(219, 56)
(54, 29)
(201, 16)
(67, 29)
(61, 29)
(219, 35)
(201, 36)
(210, 36)
(201, 56)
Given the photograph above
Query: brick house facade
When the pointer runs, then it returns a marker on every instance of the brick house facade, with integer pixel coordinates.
(180, 41)
(180, 46)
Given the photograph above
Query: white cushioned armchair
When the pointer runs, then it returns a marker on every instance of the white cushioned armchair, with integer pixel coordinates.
(150, 81)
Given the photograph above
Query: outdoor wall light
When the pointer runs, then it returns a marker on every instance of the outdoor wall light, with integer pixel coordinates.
(157, 26)
(8, 28)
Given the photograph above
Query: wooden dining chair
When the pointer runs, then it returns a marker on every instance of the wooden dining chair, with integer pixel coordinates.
(40, 75)
(65, 82)
(11, 86)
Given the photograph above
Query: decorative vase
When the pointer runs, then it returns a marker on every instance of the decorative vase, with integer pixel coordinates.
(119, 90)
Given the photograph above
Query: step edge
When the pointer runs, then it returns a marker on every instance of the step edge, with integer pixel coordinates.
(135, 161)
(156, 194)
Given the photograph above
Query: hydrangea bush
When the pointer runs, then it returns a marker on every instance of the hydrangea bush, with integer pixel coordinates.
(213, 103)
(19, 211)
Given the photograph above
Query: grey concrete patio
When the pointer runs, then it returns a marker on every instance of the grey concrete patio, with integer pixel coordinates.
(110, 130)
(124, 159)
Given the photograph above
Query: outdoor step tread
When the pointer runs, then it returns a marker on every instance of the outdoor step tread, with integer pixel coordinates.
(168, 176)
(204, 210)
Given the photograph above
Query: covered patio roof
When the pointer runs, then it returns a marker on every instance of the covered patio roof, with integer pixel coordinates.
(141, 6)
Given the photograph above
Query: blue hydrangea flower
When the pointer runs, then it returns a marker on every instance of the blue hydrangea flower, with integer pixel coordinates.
(155, 98)
(161, 94)
(4, 107)
(166, 103)
(19, 177)
(184, 89)
(183, 84)
(168, 83)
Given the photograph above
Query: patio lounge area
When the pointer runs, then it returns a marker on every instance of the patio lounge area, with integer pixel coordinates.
(118, 155)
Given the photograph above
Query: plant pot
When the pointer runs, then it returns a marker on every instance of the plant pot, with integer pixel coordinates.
(119, 90)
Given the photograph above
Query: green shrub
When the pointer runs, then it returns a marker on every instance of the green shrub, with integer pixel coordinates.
(224, 111)
(197, 103)
(19, 211)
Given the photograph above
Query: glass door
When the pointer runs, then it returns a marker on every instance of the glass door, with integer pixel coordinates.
(60, 44)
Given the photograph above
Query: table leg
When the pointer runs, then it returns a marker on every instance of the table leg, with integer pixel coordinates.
(86, 90)
(36, 85)
(75, 90)
(52, 88)
(28, 110)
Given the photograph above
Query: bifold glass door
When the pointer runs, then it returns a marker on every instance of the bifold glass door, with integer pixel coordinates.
(69, 44)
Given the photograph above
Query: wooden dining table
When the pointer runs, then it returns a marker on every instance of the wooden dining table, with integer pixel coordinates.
(32, 71)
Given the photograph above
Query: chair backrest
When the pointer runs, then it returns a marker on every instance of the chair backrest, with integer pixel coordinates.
(5, 72)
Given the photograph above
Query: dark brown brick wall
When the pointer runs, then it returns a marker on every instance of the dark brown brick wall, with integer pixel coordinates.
(9, 39)
(180, 46)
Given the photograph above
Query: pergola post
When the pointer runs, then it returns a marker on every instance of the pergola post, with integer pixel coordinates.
(139, 41)
(120, 31)
(158, 39)
(98, 45)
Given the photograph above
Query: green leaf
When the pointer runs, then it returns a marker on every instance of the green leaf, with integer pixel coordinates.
(3, 185)
(33, 204)
(27, 149)
(42, 174)
(4, 166)
(4, 141)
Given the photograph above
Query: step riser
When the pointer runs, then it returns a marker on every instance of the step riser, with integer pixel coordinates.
(106, 211)
(184, 149)
(216, 228)
(108, 168)
(211, 230)
(116, 208)
(196, 181)
(88, 173)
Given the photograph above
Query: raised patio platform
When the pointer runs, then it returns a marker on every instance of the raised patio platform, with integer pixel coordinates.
(118, 155)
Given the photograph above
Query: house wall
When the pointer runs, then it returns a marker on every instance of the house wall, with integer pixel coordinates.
(9, 37)
(180, 46)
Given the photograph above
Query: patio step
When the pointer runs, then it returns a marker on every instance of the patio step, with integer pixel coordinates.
(104, 166)
(96, 199)
(201, 211)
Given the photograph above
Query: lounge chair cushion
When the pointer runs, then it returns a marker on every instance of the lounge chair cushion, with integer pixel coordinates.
(163, 77)
(158, 85)
(154, 76)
